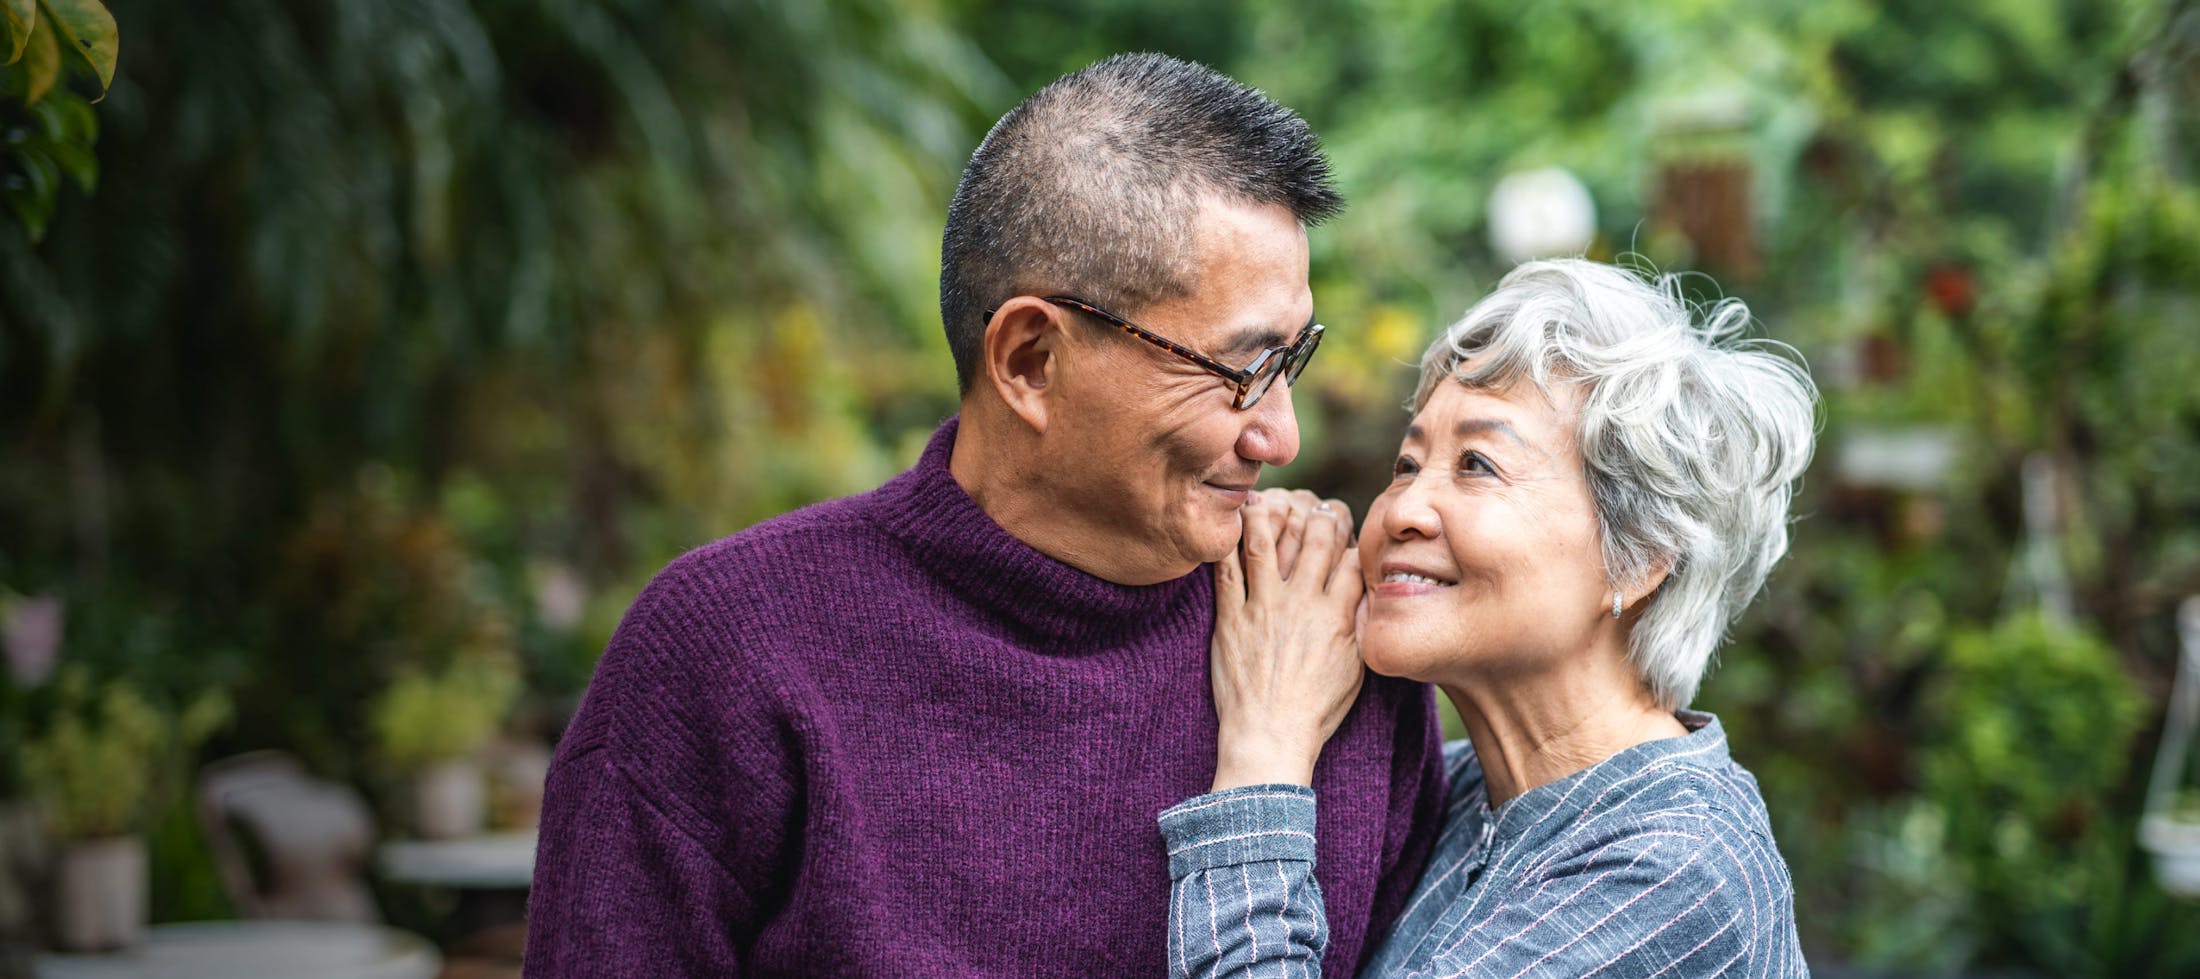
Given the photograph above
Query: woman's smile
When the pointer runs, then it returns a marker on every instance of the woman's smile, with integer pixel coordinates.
(1401, 580)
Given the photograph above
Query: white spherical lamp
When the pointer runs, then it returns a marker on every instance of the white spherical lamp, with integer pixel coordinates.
(1542, 213)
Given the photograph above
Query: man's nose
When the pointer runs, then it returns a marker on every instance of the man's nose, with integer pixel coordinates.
(1271, 433)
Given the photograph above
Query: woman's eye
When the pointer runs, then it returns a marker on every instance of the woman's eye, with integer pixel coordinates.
(1405, 466)
(1475, 462)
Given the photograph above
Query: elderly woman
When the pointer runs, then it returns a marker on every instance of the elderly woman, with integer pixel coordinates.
(1592, 487)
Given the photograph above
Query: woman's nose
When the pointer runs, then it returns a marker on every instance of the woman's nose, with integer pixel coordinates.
(1408, 512)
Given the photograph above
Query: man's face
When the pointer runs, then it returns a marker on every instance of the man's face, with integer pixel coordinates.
(1149, 454)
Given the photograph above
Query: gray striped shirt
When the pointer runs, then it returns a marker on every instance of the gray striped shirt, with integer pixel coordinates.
(1656, 861)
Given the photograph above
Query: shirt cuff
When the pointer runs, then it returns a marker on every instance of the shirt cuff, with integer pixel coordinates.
(1249, 824)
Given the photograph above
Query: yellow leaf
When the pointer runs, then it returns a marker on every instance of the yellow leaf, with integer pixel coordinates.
(41, 62)
(89, 30)
(21, 16)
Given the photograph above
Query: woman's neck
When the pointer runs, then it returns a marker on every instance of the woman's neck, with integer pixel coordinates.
(1534, 730)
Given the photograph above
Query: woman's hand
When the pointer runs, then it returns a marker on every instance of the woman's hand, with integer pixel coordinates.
(1285, 660)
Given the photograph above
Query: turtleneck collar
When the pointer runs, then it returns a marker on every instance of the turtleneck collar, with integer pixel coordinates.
(961, 545)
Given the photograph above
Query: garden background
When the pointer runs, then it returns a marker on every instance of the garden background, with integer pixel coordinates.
(359, 347)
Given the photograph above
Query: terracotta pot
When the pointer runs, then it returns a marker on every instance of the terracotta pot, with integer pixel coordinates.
(100, 891)
(449, 800)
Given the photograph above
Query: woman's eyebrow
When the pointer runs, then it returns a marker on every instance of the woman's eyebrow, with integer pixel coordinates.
(1478, 426)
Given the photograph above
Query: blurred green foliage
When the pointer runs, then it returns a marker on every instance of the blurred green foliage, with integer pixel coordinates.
(106, 757)
(399, 329)
(423, 718)
(47, 133)
(2033, 720)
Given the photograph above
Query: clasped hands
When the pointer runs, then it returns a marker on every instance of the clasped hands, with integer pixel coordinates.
(1285, 659)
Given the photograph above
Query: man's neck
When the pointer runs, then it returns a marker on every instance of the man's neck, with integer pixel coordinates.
(1000, 471)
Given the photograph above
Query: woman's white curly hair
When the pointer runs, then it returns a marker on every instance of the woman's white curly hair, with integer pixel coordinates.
(1692, 437)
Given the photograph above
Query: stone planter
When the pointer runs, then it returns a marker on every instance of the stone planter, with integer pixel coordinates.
(100, 894)
(2175, 846)
(516, 779)
(449, 800)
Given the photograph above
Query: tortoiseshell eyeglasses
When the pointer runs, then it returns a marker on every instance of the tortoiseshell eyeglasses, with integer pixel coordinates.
(1287, 361)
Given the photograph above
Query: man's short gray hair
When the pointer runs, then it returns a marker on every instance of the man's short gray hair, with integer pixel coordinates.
(1692, 437)
(1091, 185)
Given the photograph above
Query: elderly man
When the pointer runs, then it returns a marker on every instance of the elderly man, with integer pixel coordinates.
(926, 730)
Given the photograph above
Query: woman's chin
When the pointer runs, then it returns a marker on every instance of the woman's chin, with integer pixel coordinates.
(1388, 658)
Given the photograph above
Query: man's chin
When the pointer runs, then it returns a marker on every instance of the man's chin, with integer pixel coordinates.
(1212, 543)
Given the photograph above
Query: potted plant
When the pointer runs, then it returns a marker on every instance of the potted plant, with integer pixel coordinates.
(102, 762)
(428, 728)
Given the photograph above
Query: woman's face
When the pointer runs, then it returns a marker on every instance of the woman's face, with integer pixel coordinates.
(1482, 557)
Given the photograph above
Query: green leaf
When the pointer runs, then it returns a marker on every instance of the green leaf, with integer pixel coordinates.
(41, 62)
(21, 16)
(89, 30)
(77, 162)
(39, 168)
(33, 201)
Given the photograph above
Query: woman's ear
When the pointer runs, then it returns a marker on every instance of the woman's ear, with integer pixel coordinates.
(1647, 585)
(1022, 357)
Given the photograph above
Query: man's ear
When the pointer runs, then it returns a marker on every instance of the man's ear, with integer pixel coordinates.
(1022, 357)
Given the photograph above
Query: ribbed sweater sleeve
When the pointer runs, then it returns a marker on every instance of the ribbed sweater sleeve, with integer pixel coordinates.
(667, 814)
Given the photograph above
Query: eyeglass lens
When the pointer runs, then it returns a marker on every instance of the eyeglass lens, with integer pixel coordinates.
(1287, 362)
(1298, 360)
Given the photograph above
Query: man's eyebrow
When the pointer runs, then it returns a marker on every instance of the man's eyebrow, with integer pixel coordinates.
(1253, 339)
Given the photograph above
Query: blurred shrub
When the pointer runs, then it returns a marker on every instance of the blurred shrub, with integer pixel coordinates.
(106, 757)
(428, 717)
(2033, 723)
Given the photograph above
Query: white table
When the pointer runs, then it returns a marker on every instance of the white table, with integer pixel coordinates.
(488, 862)
(260, 950)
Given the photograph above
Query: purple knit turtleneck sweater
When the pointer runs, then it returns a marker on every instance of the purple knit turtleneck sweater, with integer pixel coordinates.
(882, 737)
